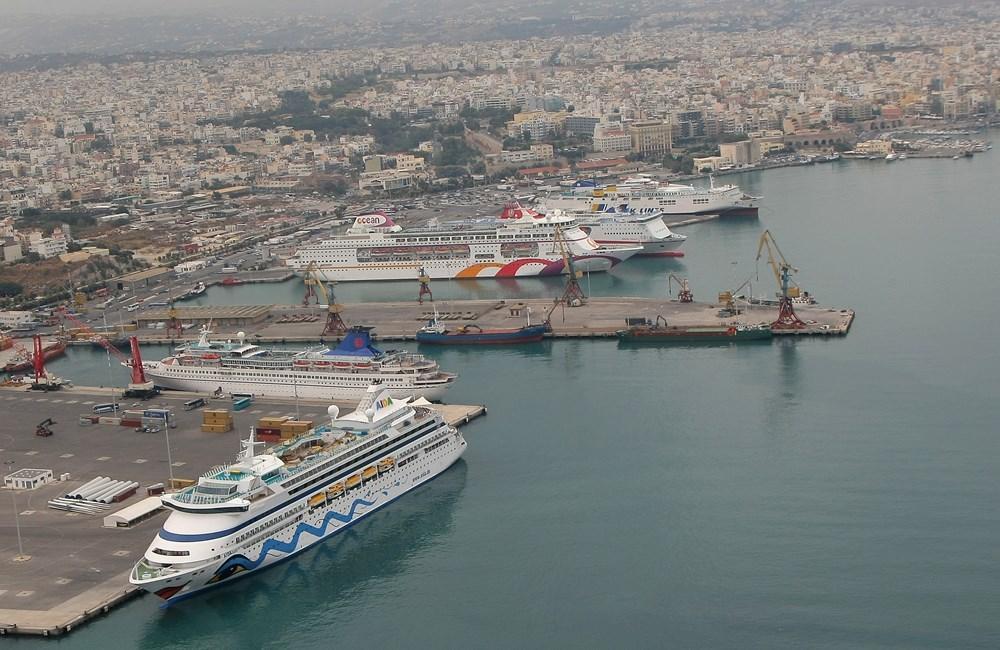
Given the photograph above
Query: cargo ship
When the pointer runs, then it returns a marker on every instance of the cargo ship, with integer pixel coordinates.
(270, 505)
(375, 248)
(644, 330)
(437, 333)
(339, 374)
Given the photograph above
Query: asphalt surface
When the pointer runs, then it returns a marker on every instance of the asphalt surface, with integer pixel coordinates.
(72, 553)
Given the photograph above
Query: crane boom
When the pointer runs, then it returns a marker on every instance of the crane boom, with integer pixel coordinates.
(573, 295)
(779, 265)
(315, 288)
(787, 319)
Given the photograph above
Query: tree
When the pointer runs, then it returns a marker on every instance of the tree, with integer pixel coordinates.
(66, 195)
(10, 289)
(286, 140)
(296, 102)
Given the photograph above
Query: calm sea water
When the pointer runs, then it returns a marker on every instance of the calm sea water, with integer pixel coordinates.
(810, 493)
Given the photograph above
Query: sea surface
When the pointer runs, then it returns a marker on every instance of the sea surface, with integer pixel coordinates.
(804, 493)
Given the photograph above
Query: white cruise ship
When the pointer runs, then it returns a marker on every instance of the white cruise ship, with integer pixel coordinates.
(340, 374)
(376, 249)
(644, 194)
(265, 507)
(618, 227)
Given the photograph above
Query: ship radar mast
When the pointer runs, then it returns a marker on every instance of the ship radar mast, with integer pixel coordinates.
(249, 446)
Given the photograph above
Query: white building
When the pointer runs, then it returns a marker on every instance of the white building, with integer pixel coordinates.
(11, 319)
(28, 479)
(190, 267)
(154, 182)
(48, 247)
(611, 137)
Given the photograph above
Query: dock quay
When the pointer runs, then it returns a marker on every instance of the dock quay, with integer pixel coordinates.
(598, 318)
(77, 569)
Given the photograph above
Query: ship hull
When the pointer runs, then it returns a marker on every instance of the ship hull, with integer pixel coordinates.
(664, 248)
(466, 270)
(51, 351)
(531, 334)
(317, 525)
(333, 389)
(686, 336)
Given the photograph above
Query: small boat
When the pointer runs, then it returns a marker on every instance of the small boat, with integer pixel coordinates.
(645, 330)
(437, 333)
(231, 282)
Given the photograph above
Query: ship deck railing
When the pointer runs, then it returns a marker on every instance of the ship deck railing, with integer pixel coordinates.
(143, 570)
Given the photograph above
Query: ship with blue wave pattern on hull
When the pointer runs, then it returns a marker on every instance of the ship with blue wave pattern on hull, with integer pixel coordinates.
(266, 507)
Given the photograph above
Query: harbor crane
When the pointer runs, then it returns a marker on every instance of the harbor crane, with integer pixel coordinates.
(788, 290)
(684, 293)
(573, 295)
(335, 325)
(174, 325)
(425, 287)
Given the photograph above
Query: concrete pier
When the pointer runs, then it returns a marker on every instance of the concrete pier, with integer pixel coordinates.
(78, 569)
(598, 318)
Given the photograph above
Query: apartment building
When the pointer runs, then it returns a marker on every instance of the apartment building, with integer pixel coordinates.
(651, 137)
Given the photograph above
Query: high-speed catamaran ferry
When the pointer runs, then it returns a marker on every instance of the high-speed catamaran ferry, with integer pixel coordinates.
(265, 507)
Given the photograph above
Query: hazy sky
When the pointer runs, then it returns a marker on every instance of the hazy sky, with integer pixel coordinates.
(167, 7)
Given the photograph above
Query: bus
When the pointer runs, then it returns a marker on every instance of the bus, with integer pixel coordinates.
(106, 408)
(191, 405)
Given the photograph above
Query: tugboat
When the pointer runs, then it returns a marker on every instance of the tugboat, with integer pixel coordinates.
(644, 330)
(435, 332)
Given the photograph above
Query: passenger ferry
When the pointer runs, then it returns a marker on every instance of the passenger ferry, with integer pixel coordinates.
(340, 374)
(377, 249)
(619, 227)
(265, 507)
(645, 194)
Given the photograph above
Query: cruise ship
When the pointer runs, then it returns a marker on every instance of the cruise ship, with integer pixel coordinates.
(339, 374)
(644, 194)
(377, 249)
(265, 507)
(619, 227)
